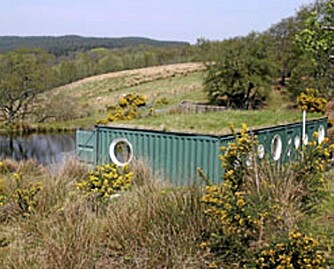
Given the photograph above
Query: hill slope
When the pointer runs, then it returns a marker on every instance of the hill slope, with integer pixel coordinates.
(103, 90)
(63, 45)
(81, 103)
(87, 100)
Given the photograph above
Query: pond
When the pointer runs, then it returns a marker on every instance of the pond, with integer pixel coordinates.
(45, 149)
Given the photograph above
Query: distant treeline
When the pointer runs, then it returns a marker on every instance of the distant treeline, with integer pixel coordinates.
(70, 58)
(66, 45)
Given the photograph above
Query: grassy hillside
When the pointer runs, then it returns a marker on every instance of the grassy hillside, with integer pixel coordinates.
(87, 100)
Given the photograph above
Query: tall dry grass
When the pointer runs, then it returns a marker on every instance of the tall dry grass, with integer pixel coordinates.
(154, 227)
(151, 226)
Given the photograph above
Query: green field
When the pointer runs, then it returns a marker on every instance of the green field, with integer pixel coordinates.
(172, 84)
(218, 122)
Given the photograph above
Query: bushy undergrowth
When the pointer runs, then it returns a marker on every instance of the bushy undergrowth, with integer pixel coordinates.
(297, 251)
(260, 203)
(254, 219)
(152, 225)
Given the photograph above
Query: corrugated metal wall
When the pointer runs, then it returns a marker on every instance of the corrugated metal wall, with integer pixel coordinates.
(288, 133)
(86, 146)
(176, 156)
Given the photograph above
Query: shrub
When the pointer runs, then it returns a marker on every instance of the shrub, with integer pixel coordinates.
(259, 202)
(19, 199)
(26, 197)
(126, 109)
(311, 101)
(298, 251)
(228, 204)
(105, 181)
(310, 170)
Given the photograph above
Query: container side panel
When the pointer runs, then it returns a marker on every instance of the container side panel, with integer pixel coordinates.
(177, 156)
(86, 146)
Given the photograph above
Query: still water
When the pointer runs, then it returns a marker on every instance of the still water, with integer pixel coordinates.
(44, 148)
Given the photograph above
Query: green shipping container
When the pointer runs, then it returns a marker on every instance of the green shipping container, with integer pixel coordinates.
(176, 156)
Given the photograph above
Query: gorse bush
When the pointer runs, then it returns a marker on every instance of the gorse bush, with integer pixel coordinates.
(3, 193)
(26, 197)
(21, 196)
(310, 170)
(259, 202)
(298, 251)
(126, 109)
(104, 181)
(311, 101)
(228, 204)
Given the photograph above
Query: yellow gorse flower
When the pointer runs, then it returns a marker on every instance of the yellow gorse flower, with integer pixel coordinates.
(231, 205)
(126, 109)
(310, 101)
(104, 181)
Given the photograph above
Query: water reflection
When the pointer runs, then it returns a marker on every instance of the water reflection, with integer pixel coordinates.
(44, 148)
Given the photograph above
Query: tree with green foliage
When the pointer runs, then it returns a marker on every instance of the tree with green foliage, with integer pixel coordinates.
(67, 72)
(241, 77)
(23, 74)
(284, 50)
(316, 44)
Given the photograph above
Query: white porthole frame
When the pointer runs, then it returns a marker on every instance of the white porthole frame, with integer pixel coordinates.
(260, 151)
(305, 140)
(297, 141)
(112, 151)
(278, 151)
(321, 134)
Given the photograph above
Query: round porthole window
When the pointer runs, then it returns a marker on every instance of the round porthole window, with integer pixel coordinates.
(120, 151)
(260, 151)
(321, 134)
(297, 141)
(276, 147)
(305, 139)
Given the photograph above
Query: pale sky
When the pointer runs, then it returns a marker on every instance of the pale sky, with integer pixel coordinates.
(181, 20)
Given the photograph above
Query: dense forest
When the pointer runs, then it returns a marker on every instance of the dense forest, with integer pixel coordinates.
(66, 45)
